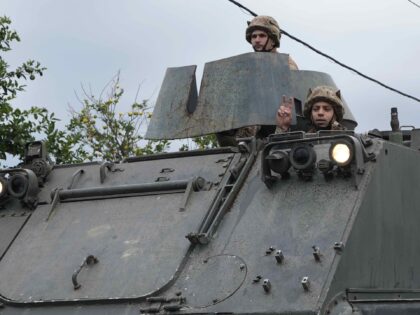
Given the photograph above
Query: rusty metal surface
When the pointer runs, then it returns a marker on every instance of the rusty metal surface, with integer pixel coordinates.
(235, 92)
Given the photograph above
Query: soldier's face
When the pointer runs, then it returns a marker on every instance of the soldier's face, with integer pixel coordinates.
(322, 114)
(261, 41)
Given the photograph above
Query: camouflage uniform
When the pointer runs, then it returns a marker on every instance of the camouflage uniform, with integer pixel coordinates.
(334, 126)
(228, 138)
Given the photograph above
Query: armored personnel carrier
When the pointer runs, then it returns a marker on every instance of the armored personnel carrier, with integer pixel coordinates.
(292, 223)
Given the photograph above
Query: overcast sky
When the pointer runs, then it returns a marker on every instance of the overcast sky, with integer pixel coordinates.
(87, 42)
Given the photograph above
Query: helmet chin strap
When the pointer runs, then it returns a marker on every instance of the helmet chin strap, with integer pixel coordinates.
(264, 49)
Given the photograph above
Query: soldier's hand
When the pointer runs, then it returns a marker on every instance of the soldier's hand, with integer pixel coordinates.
(284, 113)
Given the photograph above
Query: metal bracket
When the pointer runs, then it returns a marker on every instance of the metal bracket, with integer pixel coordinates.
(74, 177)
(229, 188)
(102, 174)
(167, 170)
(359, 168)
(198, 238)
(174, 304)
(110, 166)
(55, 200)
(163, 299)
(162, 179)
(194, 184)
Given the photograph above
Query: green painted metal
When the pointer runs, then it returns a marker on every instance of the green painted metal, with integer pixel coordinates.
(382, 234)
(343, 246)
(338, 240)
(235, 92)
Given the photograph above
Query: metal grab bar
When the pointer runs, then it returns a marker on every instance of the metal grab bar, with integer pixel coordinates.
(93, 192)
(89, 260)
(102, 174)
(75, 175)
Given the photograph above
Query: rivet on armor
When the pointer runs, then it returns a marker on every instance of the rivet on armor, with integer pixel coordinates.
(266, 285)
(316, 253)
(305, 283)
(279, 256)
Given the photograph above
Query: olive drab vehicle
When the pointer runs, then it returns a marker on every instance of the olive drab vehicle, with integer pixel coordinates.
(292, 223)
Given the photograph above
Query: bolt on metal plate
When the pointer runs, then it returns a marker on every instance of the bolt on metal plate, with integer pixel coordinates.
(316, 253)
(266, 285)
(270, 250)
(339, 246)
(305, 283)
(279, 256)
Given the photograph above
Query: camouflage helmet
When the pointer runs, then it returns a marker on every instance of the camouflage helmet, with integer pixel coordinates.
(327, 94)
(266, 24)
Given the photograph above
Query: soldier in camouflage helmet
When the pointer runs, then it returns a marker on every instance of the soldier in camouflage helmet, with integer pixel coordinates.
(264, 34)
(323, 108)
(269, 27)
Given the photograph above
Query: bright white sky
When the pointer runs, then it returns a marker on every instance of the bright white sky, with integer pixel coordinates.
(87, 42)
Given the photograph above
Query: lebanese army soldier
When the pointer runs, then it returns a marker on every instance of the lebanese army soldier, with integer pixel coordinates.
(323, 108)
(264, 34)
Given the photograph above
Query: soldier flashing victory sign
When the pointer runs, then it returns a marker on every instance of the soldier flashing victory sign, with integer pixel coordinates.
(323, 108)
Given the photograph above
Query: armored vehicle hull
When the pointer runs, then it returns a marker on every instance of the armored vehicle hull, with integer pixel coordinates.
(295, 223)
(220, 231)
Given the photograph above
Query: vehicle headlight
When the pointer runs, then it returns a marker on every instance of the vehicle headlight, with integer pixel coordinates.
(341, 152)
(278, 161)
(3, 187)
(303, 157)
(18, 185)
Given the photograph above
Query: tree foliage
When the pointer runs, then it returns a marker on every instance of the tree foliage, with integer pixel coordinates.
(201, 143)
(101, 131)
(18, 126)
(97, 131)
